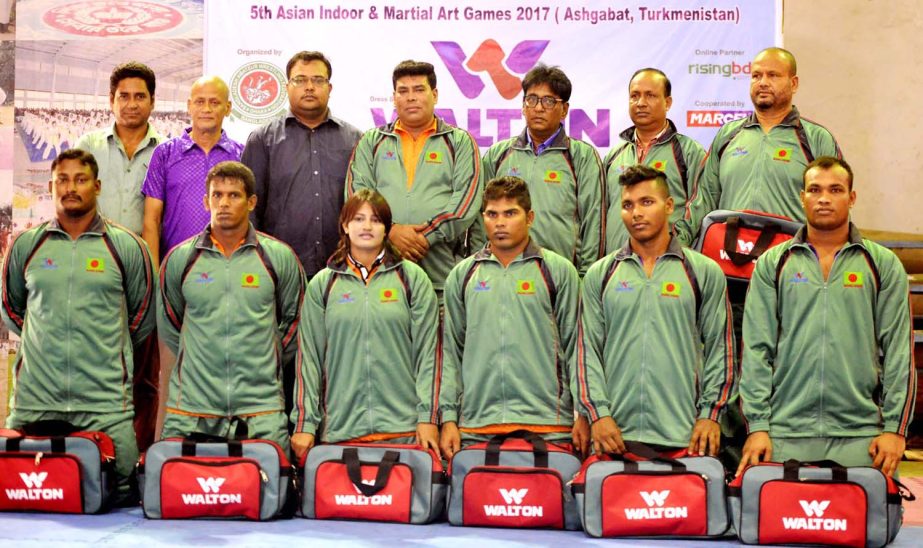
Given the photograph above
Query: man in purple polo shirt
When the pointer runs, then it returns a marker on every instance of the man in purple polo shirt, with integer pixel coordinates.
(175, 182)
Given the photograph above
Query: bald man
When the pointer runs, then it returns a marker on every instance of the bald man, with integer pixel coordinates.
(756, 162)
(175, 182)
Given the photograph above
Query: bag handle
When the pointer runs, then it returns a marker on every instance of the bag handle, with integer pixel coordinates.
(354, 470)
(643, 450)
(791, 467)
(732, 230)
(58, 444)
(49, 428)
(539, 447)
(235, 448)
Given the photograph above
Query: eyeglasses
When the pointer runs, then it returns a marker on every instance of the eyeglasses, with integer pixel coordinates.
(302, 81)
(547, 101)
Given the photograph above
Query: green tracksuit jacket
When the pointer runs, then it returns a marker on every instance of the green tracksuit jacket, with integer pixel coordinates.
(655, 353)
(678, 156)
(78, 305)
(828, 358)
(445, 195)
(508, 340)
(367, 353)
(748, 169)
(229, 321)
(568, 193)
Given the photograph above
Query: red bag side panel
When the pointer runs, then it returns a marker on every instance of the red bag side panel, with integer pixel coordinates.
(195, 487)
(654, 505)
(812, 513)
(40, 482)
(335, 496)
(513, 497)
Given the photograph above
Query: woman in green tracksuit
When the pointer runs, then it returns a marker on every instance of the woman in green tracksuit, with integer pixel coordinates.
(367, 342)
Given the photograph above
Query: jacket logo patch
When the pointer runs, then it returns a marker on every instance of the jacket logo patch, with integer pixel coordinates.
(782, 154)
(48, 264)
(739, 151)
(96, 265)
(852, 279)
(346, 298)
(660, 165)
(669, 289)
(552, 176)
(622, 287)
(525, 287)
(513, 172)
(204, 278)
(388, 295)
(799, 278)
(434, 157)
(390, 155)
(482, 285)
(621, 169)
(249, 280)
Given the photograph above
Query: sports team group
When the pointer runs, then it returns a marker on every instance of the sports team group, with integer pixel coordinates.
(324, 285)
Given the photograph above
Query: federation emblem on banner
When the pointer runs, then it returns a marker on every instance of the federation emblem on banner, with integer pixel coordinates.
(112, 19)
(257, 92)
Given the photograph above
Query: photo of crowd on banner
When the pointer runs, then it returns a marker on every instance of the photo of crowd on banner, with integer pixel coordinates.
(389, 325)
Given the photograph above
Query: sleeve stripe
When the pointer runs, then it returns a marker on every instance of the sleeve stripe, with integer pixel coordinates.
(728, 381)
(167, 305)
(298, 398)
(583, 388)
(907, 411)
(469, 197)
(437, 378)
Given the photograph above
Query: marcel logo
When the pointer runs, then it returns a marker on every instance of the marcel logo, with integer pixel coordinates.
(211, 494)
(715, 118)
(655, 509)
(489, 57)
(814, 518)
(514, 506)
(361, 500)
(33, 491)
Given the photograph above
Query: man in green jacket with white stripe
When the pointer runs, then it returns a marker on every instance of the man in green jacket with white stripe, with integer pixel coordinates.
(230, 300)
(828, 370)
(79, 292)
(655, 348)
(509, 333)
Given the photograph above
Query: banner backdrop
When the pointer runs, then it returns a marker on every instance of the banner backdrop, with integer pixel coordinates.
(481, 49)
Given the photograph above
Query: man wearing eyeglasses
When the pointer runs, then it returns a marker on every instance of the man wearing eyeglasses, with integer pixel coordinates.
(564, 174)
(299, 162)
(175, 181)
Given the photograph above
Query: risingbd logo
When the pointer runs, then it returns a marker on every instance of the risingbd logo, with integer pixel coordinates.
(490, 57)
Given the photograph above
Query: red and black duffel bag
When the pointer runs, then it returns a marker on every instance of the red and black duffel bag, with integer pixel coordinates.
(736, 239)
(374, 482)
(514, 480)
(51, 466)
(800, 503)
(204, 476)
(644, 493)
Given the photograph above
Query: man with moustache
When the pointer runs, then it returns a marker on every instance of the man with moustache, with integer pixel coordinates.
(655, 350)
(756, 162)
(564, 174)
(175, 180)
(828, 370)
(78, 290)
(652, 141)
(299, 162)
(123, 151)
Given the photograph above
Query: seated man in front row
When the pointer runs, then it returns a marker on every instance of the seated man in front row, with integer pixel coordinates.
(827, 370)
(655, 354)
(509, 333)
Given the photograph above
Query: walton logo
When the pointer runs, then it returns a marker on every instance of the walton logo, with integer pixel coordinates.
(814, 510)
(33, 482)
(361, 500)
(489, 58)
(743, 246)
(655, 507)
(514, 507)
(211, 488)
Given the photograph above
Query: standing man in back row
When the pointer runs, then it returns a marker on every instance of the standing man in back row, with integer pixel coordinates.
(427, 170)
(123, 151)
(564, 174)
(651, 141)
(299, 161)
(756, 162)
